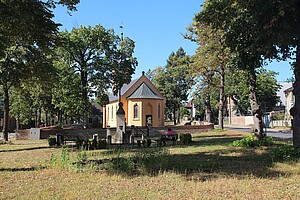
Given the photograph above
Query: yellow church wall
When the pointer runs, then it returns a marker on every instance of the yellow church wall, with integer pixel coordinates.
(146, 107)
(130, 117)
(152, 106)
(111, 116)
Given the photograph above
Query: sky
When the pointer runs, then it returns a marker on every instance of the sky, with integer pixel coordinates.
(156, 26)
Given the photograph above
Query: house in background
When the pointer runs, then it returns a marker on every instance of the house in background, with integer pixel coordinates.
(143, 104)
(281, 108)
(282, 95)
(191, 107)
(96, 116)
(290, 101)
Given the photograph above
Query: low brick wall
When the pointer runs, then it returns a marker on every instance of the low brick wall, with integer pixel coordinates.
(22, 134)
(73, 133)
(67, 133)
(185, 129)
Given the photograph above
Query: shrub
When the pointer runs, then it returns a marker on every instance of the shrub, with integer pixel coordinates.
(102, 144)
(94, 144)
(148, 142)
(139, 143)
(286, 152)
(79, 143)
(188, 138)
(86, 144)
(52, 141)
(61, 161)
(252, 141)
(185, 138)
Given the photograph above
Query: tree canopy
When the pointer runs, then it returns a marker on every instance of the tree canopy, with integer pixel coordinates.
(27, 36)
(101, 58)
(174, 81)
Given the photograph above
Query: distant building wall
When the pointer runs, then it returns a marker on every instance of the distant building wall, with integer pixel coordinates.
(240, 120)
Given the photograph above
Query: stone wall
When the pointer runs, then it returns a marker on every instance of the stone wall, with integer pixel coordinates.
(186, 129)
(22, 134)
(67, 133)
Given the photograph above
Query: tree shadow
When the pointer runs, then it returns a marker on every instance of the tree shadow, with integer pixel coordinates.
(209, 141)
(23, 169)
(24, 149)
(211, 164)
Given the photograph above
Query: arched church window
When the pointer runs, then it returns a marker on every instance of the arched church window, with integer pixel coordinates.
(135, 111)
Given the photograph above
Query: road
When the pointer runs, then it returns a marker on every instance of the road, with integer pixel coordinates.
(282, 134)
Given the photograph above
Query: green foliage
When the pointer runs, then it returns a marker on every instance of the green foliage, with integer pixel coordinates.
(81, 159)
(6, 142)
(185, 138)
(252, 141)
(153, 159)
(62, 161)
(88, 144)
(79, 143)
(285, 152)
(52, 141)
(96, 59)
(24, 50)
(102, 144)
(238, 89)
(121, 164)
(218, 130)
(267, 87)
(174, 81)
(277, 116)
(148, 143)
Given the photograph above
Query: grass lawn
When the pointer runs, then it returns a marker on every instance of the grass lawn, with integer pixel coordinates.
(208, 168)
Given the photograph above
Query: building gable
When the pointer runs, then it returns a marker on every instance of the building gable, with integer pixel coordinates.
(128, 89)
(143, 92)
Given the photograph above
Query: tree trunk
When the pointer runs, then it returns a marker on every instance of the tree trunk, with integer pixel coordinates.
(37, 118)
(295, 111)
(46, 120)
(178, 116)
(255, 107)
(60, 118)
(208, 112)
(84, 96)
(6, 113)
(17, 123)
(222, 98)
(174, 113)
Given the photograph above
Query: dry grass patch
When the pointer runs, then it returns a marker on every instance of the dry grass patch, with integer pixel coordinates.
(205, 169)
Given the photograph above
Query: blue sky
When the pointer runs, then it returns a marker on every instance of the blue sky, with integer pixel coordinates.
(156, 26)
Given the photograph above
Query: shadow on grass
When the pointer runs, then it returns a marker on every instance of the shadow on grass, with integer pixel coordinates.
(22, 169)
(24, 149)
(222, 162)
(232, 162)
(209, 141)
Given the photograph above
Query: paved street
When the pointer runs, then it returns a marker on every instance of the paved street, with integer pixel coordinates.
(276, 133)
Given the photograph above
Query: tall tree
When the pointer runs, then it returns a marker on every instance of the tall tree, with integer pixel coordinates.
(243, 35)
(101, 59)
(211, 59)
(174, 81)
(261, 29)
(237, 90)
(23, 49)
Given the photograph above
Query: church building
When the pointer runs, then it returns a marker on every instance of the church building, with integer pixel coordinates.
(142, 103)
